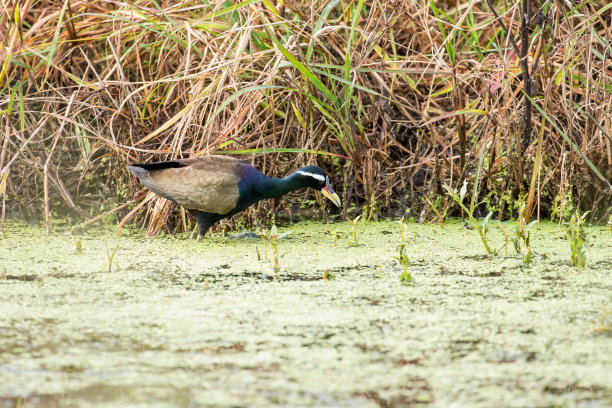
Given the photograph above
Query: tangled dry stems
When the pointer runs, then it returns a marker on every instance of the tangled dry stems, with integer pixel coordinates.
(394, 98)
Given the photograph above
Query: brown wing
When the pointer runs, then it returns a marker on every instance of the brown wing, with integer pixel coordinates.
(208, 184)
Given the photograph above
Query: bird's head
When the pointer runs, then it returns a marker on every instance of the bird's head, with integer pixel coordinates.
(315, 177)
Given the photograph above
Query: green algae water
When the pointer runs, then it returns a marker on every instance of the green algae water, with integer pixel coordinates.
(172, 322)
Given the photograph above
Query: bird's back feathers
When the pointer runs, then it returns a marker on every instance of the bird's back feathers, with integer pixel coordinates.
(208, 184)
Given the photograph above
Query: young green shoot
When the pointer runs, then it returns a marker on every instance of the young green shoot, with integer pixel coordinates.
(527, 258)
(354, 224)
(482, 228)
(522, 233)
(576, 236)
(110, 255)
(265, 237)
(516, 239)
(402, 258)
(506, 233)
(272, 239)
(434, 206)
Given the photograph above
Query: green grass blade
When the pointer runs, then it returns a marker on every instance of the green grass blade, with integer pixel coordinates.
(56, 36)
(21, 108)
(302, 68)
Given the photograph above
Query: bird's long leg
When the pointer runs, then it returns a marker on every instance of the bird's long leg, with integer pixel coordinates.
(193, 233)
(205, 221)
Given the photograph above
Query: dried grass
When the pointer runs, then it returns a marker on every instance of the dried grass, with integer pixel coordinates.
(394, 98)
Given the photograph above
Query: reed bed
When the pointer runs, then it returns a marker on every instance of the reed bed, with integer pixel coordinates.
(394, 98)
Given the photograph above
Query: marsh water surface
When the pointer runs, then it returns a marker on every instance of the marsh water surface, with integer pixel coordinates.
(180, 323)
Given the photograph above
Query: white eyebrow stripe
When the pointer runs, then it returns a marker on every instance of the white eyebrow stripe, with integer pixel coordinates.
(316, 176)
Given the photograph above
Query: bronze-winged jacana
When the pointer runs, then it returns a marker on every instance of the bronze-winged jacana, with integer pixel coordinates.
(217, 187)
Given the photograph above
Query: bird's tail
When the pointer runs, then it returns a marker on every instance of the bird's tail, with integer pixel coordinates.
(138, 171)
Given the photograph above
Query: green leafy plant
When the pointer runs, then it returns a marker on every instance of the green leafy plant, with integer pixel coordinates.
(436, 208)
(265, 238)
(563, 205)
(336, 236)
(272, 239)
(516, 239)
(523, 234)
(482, 227)
(576, 235)
(110, 255)
(354, 224)
(507, 236)
(401, 257)
(528, 256)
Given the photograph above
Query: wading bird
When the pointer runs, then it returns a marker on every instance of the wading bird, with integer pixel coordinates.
(217, 187)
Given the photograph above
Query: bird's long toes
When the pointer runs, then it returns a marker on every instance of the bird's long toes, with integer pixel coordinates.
(245, 234)
(194, 233)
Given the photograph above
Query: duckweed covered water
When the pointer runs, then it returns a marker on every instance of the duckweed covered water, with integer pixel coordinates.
(181, 323)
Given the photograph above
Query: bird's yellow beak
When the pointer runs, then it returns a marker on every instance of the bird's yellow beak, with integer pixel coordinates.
(333, 197)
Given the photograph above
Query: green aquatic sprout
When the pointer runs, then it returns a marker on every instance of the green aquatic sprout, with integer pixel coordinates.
(110, 255)
(401, 257)
(272, 239)
(516, 239)
(577, 235)
(435, 206)
(354, 223)
(265, 237)
(79, 247)
(265, 240)
(482, 228)
(527, 258)
(522, 233)
(403, 230)
(404, 261)
(506, 233)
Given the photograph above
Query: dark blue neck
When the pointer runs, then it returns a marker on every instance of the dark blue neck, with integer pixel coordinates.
(277, 187)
